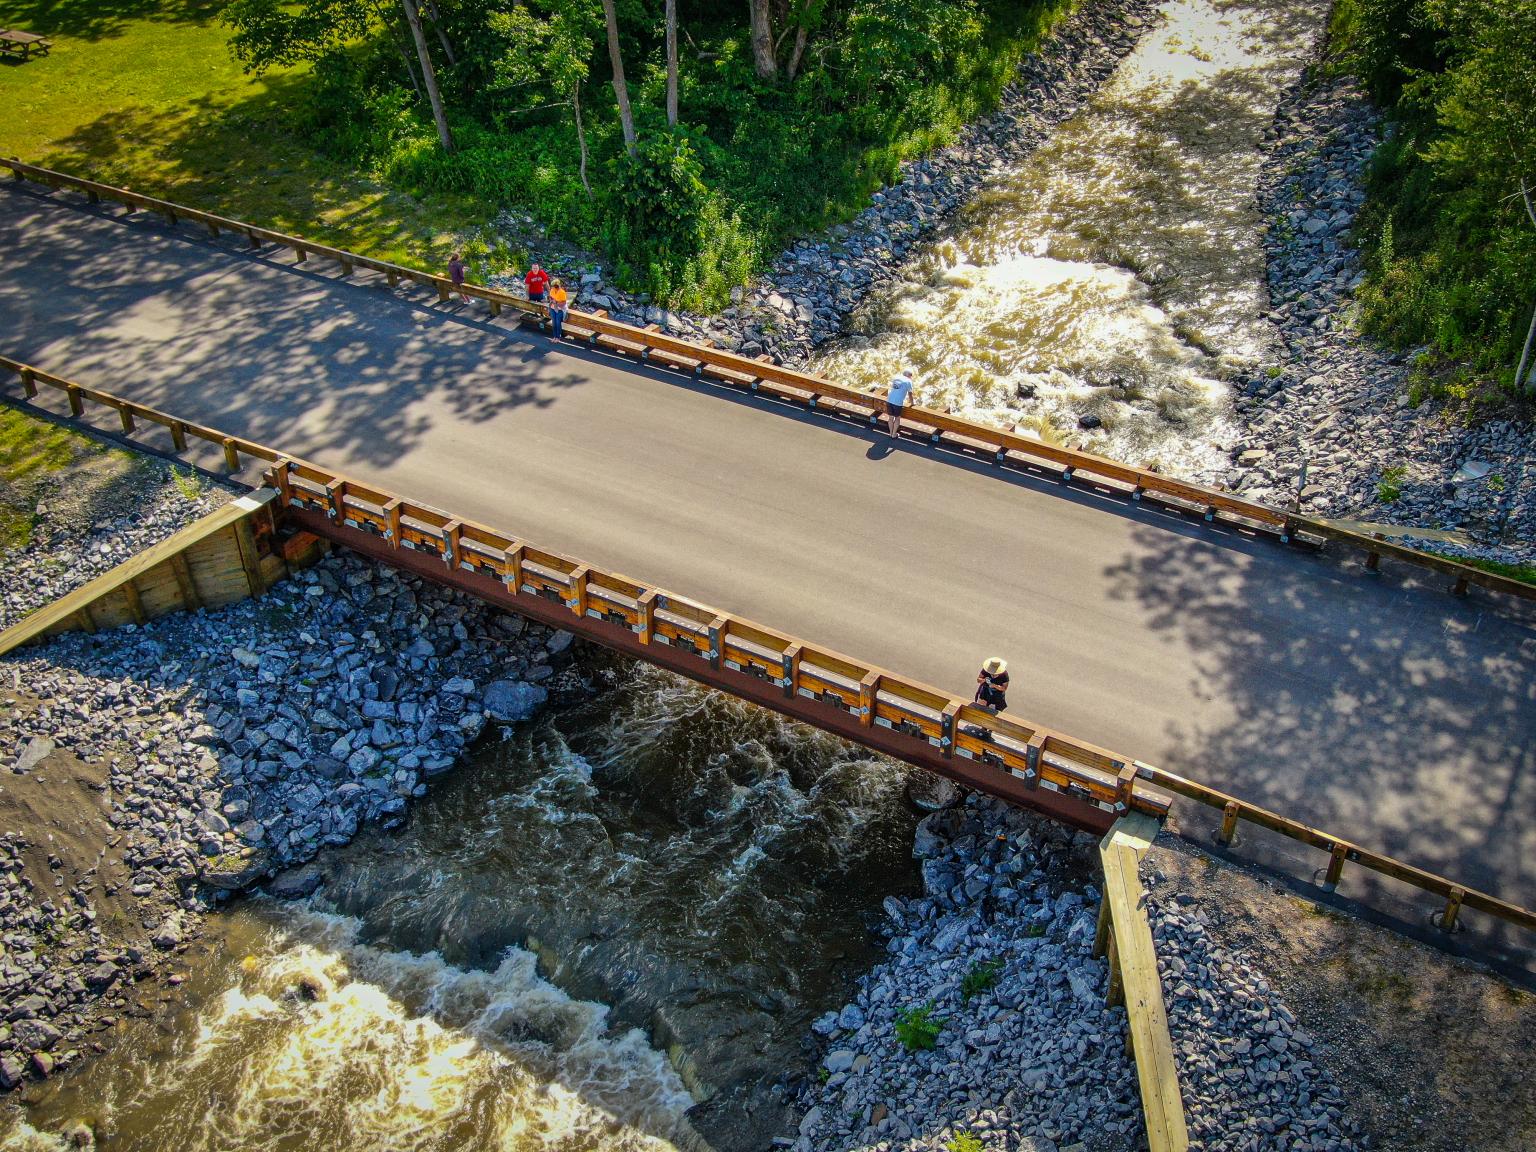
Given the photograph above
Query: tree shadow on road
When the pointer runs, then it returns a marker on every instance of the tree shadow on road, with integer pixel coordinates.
(1378, 708)
(145, 320)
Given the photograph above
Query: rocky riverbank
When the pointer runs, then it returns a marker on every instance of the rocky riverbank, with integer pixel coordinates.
(805, 297)
(86, 519)
(148, 772)
(1337, 403)
(997, 957)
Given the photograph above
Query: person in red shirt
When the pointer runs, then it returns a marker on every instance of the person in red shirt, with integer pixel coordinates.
(537, 281)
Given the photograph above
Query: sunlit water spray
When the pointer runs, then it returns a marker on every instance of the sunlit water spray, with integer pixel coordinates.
(1118, 274)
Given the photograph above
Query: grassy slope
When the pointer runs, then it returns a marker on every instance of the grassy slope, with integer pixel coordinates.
(146, 95)
(30, 448)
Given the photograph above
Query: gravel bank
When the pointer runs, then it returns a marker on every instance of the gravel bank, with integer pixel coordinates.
(1035, 1062)
(89, 518)
(804, 299)
(149, 771)
(1339, 403)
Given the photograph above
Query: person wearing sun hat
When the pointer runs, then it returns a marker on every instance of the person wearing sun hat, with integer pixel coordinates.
(992, 684)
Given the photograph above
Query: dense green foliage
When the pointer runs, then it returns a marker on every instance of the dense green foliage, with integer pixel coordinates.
(1451, 246)
(752, 163)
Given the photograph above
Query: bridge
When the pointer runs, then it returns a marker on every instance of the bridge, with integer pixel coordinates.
(1176, 629)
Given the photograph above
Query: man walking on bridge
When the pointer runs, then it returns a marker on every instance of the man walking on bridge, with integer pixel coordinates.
(895, 401)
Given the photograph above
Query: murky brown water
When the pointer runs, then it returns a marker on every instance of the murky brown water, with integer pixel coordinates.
(624, 909)
(1118, 274)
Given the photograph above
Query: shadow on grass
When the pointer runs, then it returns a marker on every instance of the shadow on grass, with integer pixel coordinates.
(102, 19)
(247, 160)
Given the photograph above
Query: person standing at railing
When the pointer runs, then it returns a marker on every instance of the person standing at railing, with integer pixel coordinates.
(537, 282)
(992, 684)
(895, 400)
(456, 274)
(559, 301)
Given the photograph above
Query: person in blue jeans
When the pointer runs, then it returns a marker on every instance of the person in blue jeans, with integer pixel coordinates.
(895, 401)
(559, 302)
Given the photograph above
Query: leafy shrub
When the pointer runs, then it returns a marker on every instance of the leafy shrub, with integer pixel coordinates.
(918, 1028)
(964, 1142)
(1389, 489)
(981, 977)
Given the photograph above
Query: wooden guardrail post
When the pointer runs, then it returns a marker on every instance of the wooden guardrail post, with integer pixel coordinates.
(578, 601)
(1336, 857)
(392, 519)
(645, 607)
(1447, 919)
(1228, 831)
(76, 401)
(869, 688)
(792, 669)
(29, 383)
(719, 633)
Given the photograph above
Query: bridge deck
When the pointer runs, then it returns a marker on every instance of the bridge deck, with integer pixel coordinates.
(1404, 718)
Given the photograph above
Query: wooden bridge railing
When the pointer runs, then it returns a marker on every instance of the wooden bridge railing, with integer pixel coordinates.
(908, 714)
(720, 641)
(650, 344)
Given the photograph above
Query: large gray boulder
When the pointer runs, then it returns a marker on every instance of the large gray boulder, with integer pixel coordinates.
(512, 700)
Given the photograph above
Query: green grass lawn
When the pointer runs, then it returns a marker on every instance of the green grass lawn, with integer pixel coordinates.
(145, 94)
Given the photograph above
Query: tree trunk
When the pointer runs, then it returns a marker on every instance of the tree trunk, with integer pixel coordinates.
(429, 77)
(762, 39)
(401, 44)
(802, 34)
(620, 88)
(1524, 379)
(442, 36)
(671, 63)
(581, 135)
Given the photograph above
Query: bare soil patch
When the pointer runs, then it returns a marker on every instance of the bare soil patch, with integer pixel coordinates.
(1435, 1053)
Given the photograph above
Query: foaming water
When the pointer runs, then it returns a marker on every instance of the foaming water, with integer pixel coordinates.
(305, 1037)
(625, 908)
(1118, 273)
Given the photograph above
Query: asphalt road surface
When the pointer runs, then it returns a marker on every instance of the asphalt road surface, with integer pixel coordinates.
(1372, 706)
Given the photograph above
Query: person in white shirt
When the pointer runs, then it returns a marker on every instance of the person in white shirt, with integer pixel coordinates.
(895, 401)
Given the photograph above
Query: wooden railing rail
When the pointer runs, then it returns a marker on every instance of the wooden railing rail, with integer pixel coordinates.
(761, 375)
(1041, 758)
(1340, 852)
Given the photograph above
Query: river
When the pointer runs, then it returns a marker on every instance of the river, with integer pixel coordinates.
(632, 905)
(1105, 291)
(637, 904)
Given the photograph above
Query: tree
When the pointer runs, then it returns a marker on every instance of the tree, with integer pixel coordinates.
(620, 88)
(764, 59)
(547, 52)
(271, 34)
(1525, 374)
(671, 63)
(428, 75)
(1487, 110)
(772, 21)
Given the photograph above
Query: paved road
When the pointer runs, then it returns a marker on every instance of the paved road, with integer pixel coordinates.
(1404, 717)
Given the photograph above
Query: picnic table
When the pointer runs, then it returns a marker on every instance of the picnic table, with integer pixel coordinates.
(23, 44)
